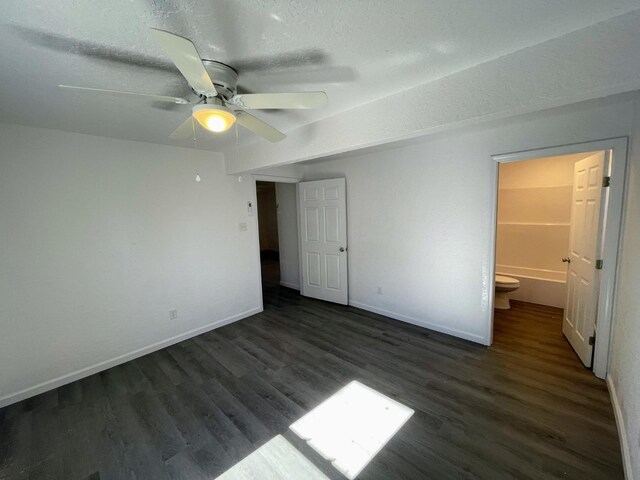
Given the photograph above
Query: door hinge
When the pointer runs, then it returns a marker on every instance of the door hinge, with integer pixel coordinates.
(599, 264)
(592, 340)
(606, 181)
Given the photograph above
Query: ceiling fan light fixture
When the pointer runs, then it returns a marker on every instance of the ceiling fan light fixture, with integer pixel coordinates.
(215, 118)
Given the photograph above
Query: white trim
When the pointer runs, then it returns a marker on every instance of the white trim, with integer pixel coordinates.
(536, 224)
(294, 286)
(617, 171)
(560, 150)
(256, 230)
(421, 323)
(274, 178)
(98, 367)
(298, 218)
(488, 287)
(505, 189)
(622, 431)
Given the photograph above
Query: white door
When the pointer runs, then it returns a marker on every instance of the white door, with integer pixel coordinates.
(584, 249)
(323, 239)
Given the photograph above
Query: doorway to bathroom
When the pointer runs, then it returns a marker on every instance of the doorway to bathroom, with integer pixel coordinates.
(554, 265)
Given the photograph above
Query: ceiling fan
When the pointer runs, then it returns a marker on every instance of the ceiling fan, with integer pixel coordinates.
(220, 105)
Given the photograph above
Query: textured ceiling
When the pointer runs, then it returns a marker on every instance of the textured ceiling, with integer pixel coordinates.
(356, 51)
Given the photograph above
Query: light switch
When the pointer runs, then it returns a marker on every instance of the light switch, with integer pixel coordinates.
(249, 208)
(243, 226)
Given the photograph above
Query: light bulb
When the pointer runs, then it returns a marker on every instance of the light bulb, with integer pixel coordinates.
(216, 123)
(215, 118)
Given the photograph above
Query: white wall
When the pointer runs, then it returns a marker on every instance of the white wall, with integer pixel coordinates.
(624, 372)
(288, 235)
(99, 238)
(421, 219)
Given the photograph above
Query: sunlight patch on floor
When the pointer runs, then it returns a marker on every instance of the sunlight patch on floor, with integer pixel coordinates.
(275, 460)
(348, 429)
(352, 426)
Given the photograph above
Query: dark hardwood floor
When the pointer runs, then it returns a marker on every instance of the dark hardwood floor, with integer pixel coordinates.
(524, 408)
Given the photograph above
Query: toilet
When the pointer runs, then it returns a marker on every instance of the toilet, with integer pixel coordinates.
(504, 285)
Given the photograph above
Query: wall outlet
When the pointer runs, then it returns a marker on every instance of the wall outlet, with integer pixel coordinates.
(379, 290)
(173, 314)
(243, 226)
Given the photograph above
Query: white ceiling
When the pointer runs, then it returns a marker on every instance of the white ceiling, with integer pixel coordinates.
(357, 52)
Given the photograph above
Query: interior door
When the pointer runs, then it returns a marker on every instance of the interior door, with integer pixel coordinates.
(322, 210)
(584, 249)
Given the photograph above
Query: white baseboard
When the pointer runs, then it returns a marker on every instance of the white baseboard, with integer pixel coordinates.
(622, 431)
(421, 323)
(294, 286)
(98, 367)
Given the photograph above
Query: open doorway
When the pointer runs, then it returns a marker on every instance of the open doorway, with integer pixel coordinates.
(278, 235)
(554, 265)
(548, 216)
(268, 233)
(303, 237)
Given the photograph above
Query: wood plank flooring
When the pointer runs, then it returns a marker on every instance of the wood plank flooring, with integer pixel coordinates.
(524, 408)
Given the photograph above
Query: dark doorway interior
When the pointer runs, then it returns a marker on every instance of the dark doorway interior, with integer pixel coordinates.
(268, 233)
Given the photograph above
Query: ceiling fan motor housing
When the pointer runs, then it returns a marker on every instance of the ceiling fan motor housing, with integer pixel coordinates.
(215, 83)
(224, 78)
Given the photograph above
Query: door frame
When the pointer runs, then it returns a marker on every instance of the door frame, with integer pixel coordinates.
(617, 170)
(258, 177)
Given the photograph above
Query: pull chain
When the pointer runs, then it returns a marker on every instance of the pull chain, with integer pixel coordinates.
(237, 144)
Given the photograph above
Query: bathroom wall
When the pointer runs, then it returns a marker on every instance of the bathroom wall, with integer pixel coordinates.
(534, 214)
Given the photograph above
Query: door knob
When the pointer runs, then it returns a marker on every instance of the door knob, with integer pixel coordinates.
(566, 260)
(342, 249)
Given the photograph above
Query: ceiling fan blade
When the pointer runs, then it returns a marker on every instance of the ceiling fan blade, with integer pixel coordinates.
(185, 56)
(280, 100)
(117, 93)
(259, 127)
(185, 130)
